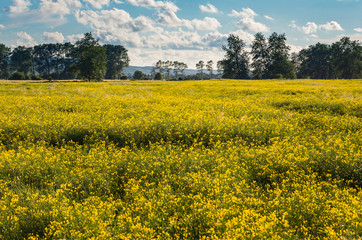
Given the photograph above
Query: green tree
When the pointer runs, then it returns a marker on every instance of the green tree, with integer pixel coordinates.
(260, 56)
(158, 76)
(4, 61)
(346, 58)
(117, 60)
(315, 62)
(45, 58)
(22, 60)
(279, 64)
(235, 63)
(139, 75)
(90, 58)
(200, 66)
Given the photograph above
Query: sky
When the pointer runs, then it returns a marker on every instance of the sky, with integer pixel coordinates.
(177, 30)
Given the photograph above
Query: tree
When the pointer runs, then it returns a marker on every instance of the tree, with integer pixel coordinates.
(210, 68)
(65, 60)
(200, 66)
(45, 58)
(139, 75)
(168, 66)
(90, 58)
(22, 60)
(236, 63)
(260, 55)
(183, 66)
(160, 66)
(315, 62)
(117, 60)
(158, 76)
(279, 65)
(346, 58)
(220, 67)
(4, 61)
(176, 68)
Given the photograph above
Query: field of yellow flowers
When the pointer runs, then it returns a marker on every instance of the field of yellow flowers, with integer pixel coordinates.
(218, 159)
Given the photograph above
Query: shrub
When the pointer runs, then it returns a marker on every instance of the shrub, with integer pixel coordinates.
(158, 76)
(18, 76)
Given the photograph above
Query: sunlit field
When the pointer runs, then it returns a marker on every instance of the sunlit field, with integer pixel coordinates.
(218, 159)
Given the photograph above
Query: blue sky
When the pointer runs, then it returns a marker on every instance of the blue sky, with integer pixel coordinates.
(183, 30)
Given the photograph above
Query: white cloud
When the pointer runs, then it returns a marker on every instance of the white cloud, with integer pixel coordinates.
(118, 1)
(20, 6)
(50, 12)
(159, 5)
(331, 26)
(358, 30)
(53, 37)
(74, 38)
(206, 24)
(209, 8)
(310, 27)
(248, 22)
(25, 39)
(98, 3)
(268, 17)
(245, 13)
(2, 26)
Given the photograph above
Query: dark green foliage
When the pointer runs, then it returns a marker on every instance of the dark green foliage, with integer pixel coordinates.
(22, 59)
(278, 63)
(139, 75)
(4, 61)
(346, 59)
(236, 63)
(19, 76)
(158, 76)
(90, 58)
(117, 60)
(259, 52)
(315, 62)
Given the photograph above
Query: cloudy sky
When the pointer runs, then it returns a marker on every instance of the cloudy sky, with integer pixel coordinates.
(183, 30)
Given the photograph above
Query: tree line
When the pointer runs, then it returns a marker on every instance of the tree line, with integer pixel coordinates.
(270, 58)
(86, 59)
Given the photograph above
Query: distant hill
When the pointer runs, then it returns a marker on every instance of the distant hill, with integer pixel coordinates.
(147, 70)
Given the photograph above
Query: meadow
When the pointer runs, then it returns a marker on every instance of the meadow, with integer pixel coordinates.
(217, 159)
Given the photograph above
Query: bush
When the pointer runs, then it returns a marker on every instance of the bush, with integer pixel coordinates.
(36, 77)
(158, 76)
(124, 78)
(19, 76)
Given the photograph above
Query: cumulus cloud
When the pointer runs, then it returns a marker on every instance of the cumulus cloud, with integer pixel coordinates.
(331, 26)
(98, 3)
(247, 21)
(208, 8)
(358, 30)
(2, 26)
(25, 39)
(310, 27)
(74, 38)
(20, 6)
(206, 24)
(159, 5)
(53, 37)
(51, 12)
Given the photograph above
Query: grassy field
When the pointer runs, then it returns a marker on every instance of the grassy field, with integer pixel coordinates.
(218, 159)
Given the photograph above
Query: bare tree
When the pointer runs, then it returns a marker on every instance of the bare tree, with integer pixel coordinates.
(210, 68)
(200, 66)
